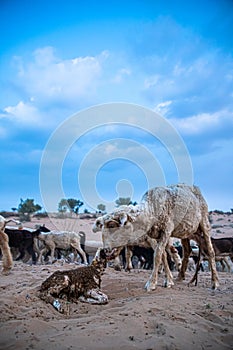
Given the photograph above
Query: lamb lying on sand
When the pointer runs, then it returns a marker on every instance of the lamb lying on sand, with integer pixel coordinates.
(81, 284)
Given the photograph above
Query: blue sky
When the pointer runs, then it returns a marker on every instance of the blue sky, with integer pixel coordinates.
(60, 58)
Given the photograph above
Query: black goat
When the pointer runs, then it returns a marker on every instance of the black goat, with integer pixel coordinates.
(23, 240)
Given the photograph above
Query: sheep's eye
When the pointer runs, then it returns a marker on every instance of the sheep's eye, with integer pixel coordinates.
(112, 224)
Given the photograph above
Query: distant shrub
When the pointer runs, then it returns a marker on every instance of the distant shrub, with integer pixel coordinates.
(7, 214)
(41, 215)
(216, 226)
(218, 211)
(85, 216)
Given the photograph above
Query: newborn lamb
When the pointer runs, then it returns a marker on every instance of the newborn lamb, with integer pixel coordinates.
(80, 284)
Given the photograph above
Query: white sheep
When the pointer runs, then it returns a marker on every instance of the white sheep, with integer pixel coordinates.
(62, 240)
(142, 241)
(174, 211)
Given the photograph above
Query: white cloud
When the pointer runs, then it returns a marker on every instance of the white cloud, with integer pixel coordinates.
(49, 77)
(163, 108)
(24, 113)
(200, 123)
(49, 83)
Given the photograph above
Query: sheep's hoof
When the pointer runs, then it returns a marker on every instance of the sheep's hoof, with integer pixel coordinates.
(149, 286)
(167, 284)
(180, 278)
(6, 272)
(215, 285)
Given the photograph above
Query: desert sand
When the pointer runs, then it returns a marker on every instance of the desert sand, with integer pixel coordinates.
(181, 317)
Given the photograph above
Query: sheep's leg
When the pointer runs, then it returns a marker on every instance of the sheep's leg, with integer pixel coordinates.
(77, 246)
(128, 256)
(226, 262)
(211, 255)
(52, 247)
(94, 296)
(36, 246)
(117, 263)
(42, 251)
(222, 263)
(174, 255)
(158, 252)
(198, 266)
(186, 253)
(7, 261)
(168, 275)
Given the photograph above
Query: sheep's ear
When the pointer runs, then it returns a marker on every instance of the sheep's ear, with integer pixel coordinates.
(99, 223)
(125, 218)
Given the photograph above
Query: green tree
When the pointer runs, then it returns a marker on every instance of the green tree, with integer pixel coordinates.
(27, 208)
(101, 207)
(71, 204)
(63, 206)
(123, 201)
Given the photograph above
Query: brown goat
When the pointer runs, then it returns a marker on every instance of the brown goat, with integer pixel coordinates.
(223, 247)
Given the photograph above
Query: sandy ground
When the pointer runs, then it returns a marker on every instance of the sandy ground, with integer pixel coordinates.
(178, 318)
(183, 317)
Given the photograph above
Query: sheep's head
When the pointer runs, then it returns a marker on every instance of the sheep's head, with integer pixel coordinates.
(98, 225)
(117, 229)
(124, 226)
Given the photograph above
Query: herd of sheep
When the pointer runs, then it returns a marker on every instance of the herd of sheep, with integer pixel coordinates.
(145, 230)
